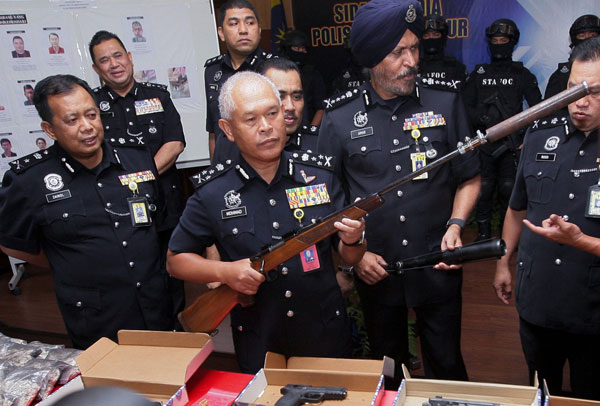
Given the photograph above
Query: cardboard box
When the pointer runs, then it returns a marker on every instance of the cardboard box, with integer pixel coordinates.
(156, 364)
(550, 400)
(363, 379)
(413, 392)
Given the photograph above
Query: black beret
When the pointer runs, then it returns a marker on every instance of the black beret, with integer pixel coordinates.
(380, 24)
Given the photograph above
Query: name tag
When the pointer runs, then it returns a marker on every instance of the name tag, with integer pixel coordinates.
(56, 196)
(363, 132)
(214, 87)
(542, 156)
(231, 213)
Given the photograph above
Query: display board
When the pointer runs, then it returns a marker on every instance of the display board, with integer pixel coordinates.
(169, 41)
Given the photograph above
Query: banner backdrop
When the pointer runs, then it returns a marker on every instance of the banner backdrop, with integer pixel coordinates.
(544, 27)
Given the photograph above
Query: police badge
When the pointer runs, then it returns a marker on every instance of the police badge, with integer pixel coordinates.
(53, 182)
(218, 76)
(411, 14)
(360, 119)
(104, 106)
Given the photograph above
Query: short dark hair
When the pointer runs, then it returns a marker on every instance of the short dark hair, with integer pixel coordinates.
(235, 4)
(587, 51)
(136, 22)
(52, 86)
(3, 140)
(277, 63)
(17, 37)
(40, 139)
(27, 87)
(53, 33)
(100, 37)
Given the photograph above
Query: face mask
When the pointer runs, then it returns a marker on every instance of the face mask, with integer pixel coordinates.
(433, 46)
(298, 57)
(501, 51)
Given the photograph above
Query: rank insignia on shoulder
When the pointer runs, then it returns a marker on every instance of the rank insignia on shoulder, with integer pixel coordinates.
(313, 129)
(209, 174)
(212, 61)
(548, 122)
(22, 164)
(313, 159)
(341, 99)
(450, 84)
(129, 141)
(151, 85)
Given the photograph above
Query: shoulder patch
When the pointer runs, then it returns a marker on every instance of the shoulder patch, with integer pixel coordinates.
(548, 122)
(313, 129)
(480, 69)
(129, 141)
(340, 99)
(214, 60)
(210, 173)
(313, 159)
(448, 85)
(158, 86)
(20, 165)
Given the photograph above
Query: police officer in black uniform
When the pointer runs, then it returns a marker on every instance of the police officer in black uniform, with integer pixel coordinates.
(434, 64)
(295, 47)
(145, 111)
(385, 129)
(586, 26)
(557, 280)
(495, 92)
(253, 201)
(352, 75)
(239, 29)
(87, 206)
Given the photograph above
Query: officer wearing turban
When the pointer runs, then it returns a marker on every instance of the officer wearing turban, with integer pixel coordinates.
(385, 129)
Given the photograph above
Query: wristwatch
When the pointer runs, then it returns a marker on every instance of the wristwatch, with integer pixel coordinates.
(357, 243)
(457, 221)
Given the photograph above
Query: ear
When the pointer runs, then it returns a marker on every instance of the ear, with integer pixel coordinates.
(130, 57)
(220, 32)
(47, 127)
(226, 127)
(259, 31)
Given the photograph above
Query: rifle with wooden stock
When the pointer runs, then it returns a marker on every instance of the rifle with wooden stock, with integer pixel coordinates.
(210, 308)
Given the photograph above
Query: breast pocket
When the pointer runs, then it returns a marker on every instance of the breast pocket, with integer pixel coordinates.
(365, 155)
(238, 234)
(151, 126)
(540, 179)
(65, 219)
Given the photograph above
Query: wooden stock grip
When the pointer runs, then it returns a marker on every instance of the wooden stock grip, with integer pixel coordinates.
(208, 310)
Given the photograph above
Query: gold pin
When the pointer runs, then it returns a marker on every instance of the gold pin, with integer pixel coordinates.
(299, 215)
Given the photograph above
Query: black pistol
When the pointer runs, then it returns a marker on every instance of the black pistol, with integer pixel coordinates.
(441, 401)
(494, 248)
(294, 395)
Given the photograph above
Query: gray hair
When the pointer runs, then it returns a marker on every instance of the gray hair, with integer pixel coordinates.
(253, 79)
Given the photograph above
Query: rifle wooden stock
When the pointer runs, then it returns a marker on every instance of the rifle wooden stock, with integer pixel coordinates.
(207, 312)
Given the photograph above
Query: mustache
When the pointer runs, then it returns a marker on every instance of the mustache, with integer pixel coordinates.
(290, 116)
(413, 70)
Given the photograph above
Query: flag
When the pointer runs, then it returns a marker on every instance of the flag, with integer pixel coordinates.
(278, 25)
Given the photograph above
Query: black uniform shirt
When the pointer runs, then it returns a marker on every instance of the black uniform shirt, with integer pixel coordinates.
(558, 80)
(444, 68)
(557, 286)
(140, 114)
(301, 312)
(365, 134)
(106, 272)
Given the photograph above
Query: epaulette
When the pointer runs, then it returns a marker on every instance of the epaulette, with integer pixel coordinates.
(209, 174)
(340, 99)
(129, 141)
(548, 122)
(268, 56)
(97, 89)
(313, 129)
(447, 85)
(214, 60)
(313, 159)
(158, 86)
(20, 165)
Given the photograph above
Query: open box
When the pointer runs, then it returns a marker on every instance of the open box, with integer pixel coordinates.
(156, 364)
(362, 378)
(550, 400)
(414, 392)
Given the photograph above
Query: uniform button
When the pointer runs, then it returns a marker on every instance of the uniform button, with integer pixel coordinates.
(399, 193)
(565, 217)
(363, 148)
(124, 243)
(398, 168)
(290, 313)
(78, 304)
(65, 215)
(108, 205)
(557, 261)
(571, 196)
(130, 123)
(234, 231)
(288, 294)
(425, 139)
(111, 140)
(404, 243)
(127, 109)
(284, 270)
(100, 184)
(131, 264)
(521, 263)
(108, 127)
(276, 225)
(396, 142)
(539, 173)
(173, 186)
(394, 118)
(402, 219)
(272, 202)
(240, 328)
(138, 284)
(337, 312)
(581, 153)
(117, 224)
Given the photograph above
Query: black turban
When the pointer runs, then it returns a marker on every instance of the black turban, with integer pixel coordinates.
(380, 24)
